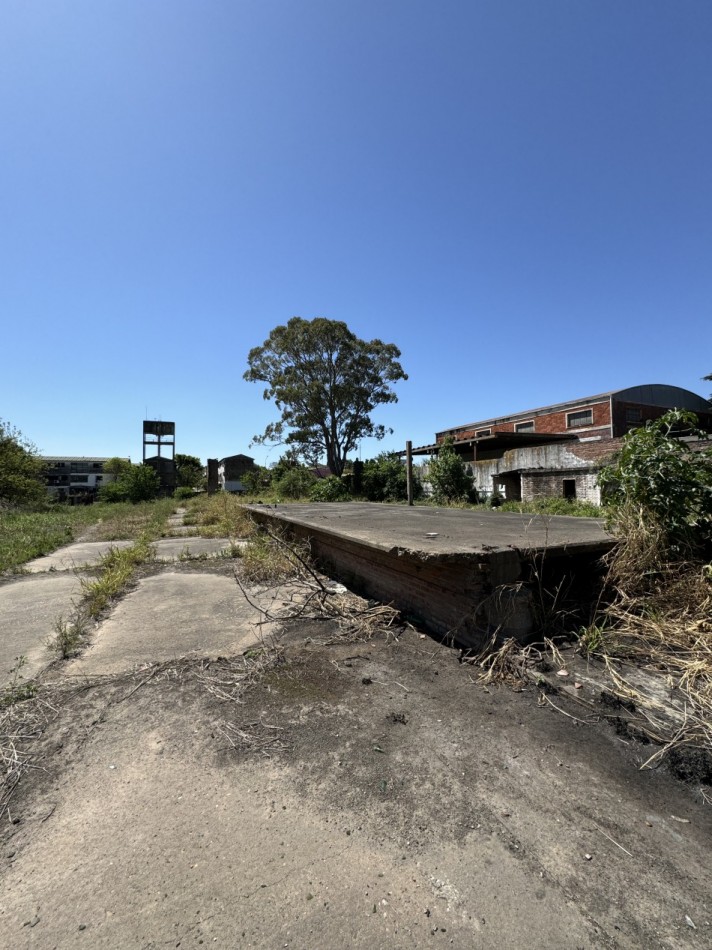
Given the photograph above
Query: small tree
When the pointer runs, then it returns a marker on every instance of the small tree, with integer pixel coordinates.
(450, 479)
(21, 469)
(135, 483)
(116, 467)
(326, 382)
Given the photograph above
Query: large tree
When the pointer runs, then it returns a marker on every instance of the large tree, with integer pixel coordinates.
(326, 382)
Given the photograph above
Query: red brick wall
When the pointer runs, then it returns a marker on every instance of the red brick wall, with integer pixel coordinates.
(549, 422)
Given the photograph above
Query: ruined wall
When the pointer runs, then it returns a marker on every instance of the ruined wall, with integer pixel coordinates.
(553, 460)
(551, 485)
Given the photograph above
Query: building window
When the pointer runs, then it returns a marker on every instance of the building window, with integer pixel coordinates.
(583, 417)
(570, 488)
(481, 432)
(524, 426)
(633, 416)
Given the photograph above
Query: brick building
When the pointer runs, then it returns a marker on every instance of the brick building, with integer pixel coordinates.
(556, 451)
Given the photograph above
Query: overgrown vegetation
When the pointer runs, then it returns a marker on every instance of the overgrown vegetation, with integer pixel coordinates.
(219, 516)
(665, 482)
(133, 483)
(21, 469)
(554, 506)
(448, 476)
(658, 604)
(329, 489)
(385, 479)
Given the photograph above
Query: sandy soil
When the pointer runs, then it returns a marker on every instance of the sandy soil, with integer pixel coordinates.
(357, 794)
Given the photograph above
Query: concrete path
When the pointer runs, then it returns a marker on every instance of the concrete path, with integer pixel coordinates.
(170, 615)
(184, 548)
(29, 608)
(77, 555)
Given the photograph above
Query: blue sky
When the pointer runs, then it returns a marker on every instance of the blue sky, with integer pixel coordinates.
(517, 193)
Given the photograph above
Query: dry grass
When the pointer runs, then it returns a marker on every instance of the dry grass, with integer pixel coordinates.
(658, 616)
(219, 516)
(24, 718)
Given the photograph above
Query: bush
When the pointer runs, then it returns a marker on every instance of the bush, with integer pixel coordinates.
(295, 483)
(665, 480)
(183, 492)
(385, 479)
(329, 489)
(113, 492)
(135, 483)
(448, 476)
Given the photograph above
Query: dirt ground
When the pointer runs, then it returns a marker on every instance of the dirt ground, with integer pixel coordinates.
(334, 792)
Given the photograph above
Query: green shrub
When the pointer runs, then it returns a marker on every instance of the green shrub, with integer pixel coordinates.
(448, 476)
(294, 483)
(113, 492)
(135, 483)
(385, 479)
(329, 489)
(183, 492)
(665, 480)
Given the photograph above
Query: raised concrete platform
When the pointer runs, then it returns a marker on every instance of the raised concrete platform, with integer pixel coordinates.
(464, 574)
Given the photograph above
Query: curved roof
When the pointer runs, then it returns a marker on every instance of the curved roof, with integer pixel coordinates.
(670, 397)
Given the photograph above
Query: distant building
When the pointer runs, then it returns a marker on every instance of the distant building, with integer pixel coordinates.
(75, 478)
(557, 451)
(231, 470)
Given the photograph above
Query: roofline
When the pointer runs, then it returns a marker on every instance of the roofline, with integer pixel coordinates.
(583, 401)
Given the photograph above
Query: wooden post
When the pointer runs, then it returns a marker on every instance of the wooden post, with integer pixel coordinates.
(409, 470)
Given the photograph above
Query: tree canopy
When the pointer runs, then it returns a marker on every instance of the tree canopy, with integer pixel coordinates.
(326, 382)
(21, 470)
(189, 471)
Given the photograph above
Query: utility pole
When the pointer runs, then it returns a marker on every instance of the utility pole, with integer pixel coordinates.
(409, 470)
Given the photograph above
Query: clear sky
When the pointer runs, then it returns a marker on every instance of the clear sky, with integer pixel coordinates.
(518, 193)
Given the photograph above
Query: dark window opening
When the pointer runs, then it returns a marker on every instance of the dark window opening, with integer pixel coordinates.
(583, 417)
(570, 488)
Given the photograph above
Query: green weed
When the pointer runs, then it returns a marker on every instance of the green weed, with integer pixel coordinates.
(17, 690)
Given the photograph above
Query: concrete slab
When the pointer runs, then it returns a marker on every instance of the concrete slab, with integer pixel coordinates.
(444, 531)
(173, 549)
(170, 615)
(29, 607)
(79, 554)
